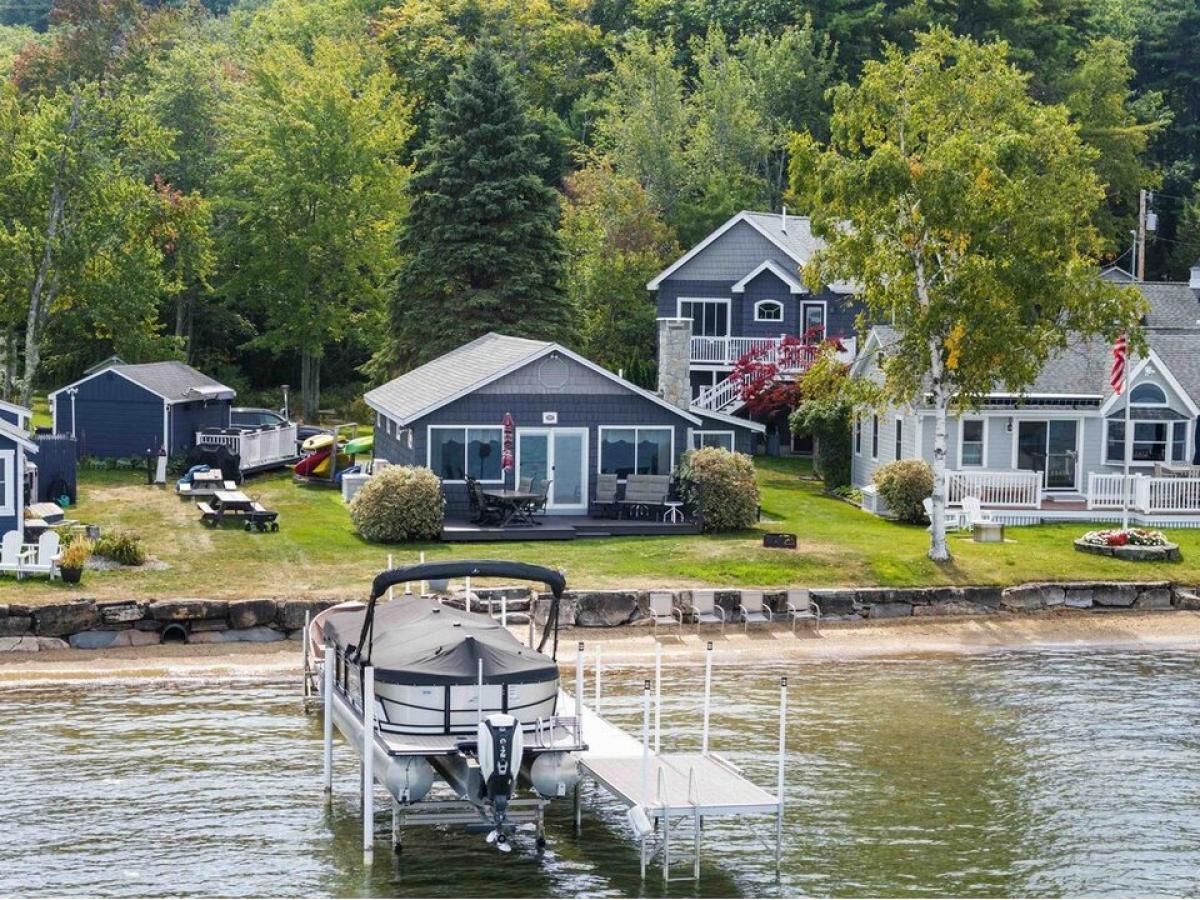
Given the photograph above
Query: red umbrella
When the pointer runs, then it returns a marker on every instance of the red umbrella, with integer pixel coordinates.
(510, 428)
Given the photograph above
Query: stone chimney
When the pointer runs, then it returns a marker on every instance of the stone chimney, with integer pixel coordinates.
(674, 361)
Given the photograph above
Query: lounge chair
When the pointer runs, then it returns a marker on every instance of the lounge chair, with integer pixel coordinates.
(42, 559)
(644, 493)
(663, 611)
(954, 518)
(973, 512)
(11, 549)
(801, 606)
(704, 609)
(605, 500)
(754, 609)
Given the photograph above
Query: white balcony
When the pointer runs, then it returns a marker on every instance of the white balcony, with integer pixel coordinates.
(726, 351)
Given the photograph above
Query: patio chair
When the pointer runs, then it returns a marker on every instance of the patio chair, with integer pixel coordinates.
(754, 609)
(10, 553)
(954, 518)
(538, 503)
(483, 511)
(525, 485)
(801, 606)
(704, 609)
(973, 512)
(645, 492)
(663, 611)
(606, 495)
(43, 560)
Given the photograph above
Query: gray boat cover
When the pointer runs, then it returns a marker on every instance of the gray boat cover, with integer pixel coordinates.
(419, 641)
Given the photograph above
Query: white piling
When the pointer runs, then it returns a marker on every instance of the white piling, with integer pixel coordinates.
(503, 611)
(644, 797)
(392, 587)
(368, 760)
(479, 691)
(707, 696)
(468, 594)
(304, 688)
(422, 580)
(779, 775)
(330, 665)
(657, 694)
(599, 668)
(579, 681)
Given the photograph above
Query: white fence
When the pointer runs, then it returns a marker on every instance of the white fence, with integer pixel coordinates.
(1146, 494)
(256, 448)
(725, 351)
(1021, 488)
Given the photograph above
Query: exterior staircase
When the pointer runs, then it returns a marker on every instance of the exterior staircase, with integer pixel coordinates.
(726, 396)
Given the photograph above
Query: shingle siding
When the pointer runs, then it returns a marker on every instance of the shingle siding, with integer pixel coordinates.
(725, 258)
(188, 418)
(113, 417)
(11, 460)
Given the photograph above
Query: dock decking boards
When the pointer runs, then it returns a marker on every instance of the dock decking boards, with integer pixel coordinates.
(563, 528)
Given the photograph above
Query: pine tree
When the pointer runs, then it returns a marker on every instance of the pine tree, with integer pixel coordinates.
(480, 243)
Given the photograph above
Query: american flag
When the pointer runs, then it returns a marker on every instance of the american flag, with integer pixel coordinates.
(1117, 379)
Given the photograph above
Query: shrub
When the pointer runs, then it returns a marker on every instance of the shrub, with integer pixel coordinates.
(401, 503)
(720, 487)
(903, 485)
(124, 547)
(75, 554)
(1137, 537)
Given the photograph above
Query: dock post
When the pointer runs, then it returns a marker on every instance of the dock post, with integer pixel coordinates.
(479, 691)
(578, 807)
(368, 761)
(306, 687)
(779, 777)
(329, 665)
(657, 694)
(645, 762)
(392, 587)
(397, 842)
(579, 681)
(467, 595)
(422, 580)
(503, 612)
(707, 696)
(597, 685)
(531, 626)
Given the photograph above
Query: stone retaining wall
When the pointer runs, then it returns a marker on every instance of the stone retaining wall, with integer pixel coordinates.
(91, 624)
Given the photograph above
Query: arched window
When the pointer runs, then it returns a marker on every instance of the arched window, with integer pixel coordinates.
(1148, 395)
(768, 311)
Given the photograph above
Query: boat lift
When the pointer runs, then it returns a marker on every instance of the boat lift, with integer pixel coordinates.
(669, 796)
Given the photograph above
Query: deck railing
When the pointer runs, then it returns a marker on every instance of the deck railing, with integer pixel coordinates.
(725, 351)
(1020, 488)
(255, 448)
(1146, 494)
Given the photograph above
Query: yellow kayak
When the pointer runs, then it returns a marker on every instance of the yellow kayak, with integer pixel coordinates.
(322, 468)
(316, 442)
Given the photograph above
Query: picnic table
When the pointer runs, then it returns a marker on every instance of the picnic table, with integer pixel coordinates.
(236, 505)
(514, 504)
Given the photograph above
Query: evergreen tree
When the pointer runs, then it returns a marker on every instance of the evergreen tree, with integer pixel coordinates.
(480, 244)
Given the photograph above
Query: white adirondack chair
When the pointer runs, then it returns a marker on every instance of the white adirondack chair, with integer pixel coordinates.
(10, 553)
(954, 519)
(44, 561)
(973, 512)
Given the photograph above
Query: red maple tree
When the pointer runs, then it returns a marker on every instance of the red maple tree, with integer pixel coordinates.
(768, 372)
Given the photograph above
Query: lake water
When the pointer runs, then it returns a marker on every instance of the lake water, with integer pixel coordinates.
(1030, 773)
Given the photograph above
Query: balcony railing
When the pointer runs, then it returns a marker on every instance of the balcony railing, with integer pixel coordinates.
(254, 448)
(1145, 494)
(1021, 488)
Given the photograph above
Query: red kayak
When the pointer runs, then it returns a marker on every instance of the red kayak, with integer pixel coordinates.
(310, 462)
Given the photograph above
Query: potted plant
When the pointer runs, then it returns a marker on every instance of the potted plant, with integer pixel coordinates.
(74, 556)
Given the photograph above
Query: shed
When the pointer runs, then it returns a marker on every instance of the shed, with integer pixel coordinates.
(15, 448)
(17, 416)
(132, 410)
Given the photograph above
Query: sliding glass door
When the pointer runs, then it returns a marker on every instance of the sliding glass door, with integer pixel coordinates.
(558, 455)
(1050, 447)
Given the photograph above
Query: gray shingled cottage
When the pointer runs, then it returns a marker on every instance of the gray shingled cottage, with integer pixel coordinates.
(573, 420)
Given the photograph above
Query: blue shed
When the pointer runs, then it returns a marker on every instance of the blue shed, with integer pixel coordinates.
(132, 410)
(17, 416)
(573, 420)
(15, 448)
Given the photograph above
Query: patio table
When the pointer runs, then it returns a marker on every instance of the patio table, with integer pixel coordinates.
(513, 503)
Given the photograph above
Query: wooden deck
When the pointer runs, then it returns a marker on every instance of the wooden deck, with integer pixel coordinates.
(563, 528)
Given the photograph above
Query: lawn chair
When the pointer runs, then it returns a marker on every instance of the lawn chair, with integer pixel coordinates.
(663, 611)
(11, 548)
(606, 495)
(754, 609)
(954, 518)
(704, 609)
(43, 560)
(801, 606)
(973, 512)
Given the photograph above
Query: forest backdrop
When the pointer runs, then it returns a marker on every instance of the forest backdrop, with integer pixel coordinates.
(324, 192)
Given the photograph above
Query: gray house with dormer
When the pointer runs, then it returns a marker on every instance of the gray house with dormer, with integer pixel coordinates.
(741, 290)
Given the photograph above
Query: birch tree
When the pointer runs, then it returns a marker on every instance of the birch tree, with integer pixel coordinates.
(963, 210)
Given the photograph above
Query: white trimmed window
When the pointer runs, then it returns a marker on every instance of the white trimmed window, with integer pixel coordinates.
(875, 437)
(710, 318)
(970, 448)
(644, 451)
(899, 437)
(858, 435)
(457, 451)
(722, 439)
(8, 482)
(812, 320)
(1156, 441)
(768, 311)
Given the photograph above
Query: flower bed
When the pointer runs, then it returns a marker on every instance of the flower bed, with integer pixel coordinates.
(1137, 544)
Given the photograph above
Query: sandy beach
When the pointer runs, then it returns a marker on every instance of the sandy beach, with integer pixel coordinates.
(635, 646)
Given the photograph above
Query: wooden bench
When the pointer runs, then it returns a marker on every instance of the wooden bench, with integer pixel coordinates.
(208, 515)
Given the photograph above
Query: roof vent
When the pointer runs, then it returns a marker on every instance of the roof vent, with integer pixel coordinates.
(783, 220)
(1194, 281)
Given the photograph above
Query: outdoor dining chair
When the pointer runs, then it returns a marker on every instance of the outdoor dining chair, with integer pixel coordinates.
(754, 609)
(663, 610)
(704, 609)
(538, 503)
(525, 485)
(801, 606)
(606, 495)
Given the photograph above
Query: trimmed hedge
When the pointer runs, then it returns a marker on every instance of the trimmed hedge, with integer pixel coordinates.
(401, 503)
(721, 488)
(903, 485)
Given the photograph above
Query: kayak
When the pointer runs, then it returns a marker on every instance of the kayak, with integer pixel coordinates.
(316, 442)
(308, 465)
(321, 469)
(360, 445)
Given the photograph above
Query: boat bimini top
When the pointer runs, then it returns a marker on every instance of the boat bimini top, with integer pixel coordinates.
(421, 641)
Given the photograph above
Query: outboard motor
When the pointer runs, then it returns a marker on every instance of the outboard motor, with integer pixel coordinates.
(500, 745)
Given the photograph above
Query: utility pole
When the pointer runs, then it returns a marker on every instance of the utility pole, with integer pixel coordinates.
(1141, 237)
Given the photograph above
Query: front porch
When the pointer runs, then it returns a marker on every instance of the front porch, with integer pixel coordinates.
(1020, 498)
(562, 528)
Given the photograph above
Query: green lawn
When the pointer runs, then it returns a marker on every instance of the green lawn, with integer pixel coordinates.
(317, 553)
